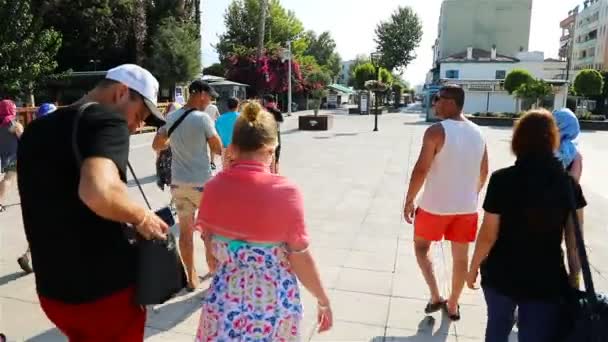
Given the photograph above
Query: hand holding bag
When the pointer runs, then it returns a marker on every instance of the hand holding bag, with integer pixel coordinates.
(160, 272)
(586, 312)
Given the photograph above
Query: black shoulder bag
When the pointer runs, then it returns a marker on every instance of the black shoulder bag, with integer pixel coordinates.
(586, 312)
(160, 272)
(165, 157)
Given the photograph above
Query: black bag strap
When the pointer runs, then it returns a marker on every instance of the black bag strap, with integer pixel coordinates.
(78, 155)
(179, 121)
(580, 242)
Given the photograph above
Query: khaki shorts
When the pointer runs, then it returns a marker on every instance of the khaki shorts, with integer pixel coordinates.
(186, 199)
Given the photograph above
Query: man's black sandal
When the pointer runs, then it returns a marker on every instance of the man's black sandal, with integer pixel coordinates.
(434, 307)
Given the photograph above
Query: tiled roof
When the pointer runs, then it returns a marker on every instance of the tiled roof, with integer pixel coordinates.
(479, 55)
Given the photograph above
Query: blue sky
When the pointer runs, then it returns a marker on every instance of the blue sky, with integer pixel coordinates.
(352, 24)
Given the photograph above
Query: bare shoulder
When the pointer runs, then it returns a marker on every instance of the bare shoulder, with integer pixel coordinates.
(435, 133)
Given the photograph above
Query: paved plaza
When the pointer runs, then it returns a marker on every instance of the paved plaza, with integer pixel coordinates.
(354, 182)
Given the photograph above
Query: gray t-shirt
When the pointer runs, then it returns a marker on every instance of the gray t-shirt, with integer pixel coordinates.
(190, 165)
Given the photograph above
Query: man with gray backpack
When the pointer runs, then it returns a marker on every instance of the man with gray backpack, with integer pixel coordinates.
(188, 132)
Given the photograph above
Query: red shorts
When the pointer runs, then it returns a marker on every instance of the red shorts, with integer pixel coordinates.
(456, 228)
(113, 318)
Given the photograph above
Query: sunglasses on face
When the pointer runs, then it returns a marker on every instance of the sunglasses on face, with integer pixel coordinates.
(143, 114)
(438, 97)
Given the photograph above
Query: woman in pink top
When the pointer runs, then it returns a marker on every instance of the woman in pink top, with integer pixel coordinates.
(252, 223)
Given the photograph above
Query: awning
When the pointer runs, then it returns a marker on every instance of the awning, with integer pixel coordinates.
(340, 88)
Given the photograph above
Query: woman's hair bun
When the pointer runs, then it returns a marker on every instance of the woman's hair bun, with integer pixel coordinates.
(251, 111)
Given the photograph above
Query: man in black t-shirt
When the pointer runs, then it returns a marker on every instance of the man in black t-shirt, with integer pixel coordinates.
(271, 106)
(74, 209)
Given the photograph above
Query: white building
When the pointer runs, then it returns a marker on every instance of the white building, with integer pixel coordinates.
(481, 73)
(483, 24)
(590, 47)
(344, 75)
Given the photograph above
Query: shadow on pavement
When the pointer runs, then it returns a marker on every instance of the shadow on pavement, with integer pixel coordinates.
(51, 335)
(11, 277)
(145, 180)
(424, 333)
(337, 135)
(168, 316)
(290, 131)
(417, 123)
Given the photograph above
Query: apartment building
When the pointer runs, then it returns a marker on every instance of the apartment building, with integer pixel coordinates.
(590, 39)
(483, 24)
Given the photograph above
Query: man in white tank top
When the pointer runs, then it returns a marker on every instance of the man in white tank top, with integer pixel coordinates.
(453, 167)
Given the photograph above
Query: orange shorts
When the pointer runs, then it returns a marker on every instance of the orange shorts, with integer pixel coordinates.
(456, 228)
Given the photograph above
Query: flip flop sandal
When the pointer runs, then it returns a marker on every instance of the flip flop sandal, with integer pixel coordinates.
(24, 263)
(455, 317)
(2, 208)
(434, 307)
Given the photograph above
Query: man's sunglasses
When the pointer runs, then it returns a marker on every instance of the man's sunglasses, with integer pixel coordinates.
(438, 97)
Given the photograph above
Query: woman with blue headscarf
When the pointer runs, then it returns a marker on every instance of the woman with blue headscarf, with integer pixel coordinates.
(569, 130)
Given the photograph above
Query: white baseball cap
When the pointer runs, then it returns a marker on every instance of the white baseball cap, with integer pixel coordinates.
(144, 83)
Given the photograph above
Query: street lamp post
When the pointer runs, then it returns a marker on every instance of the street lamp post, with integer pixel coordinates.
(94, 62)
(289, 78)
(287, 57)
(375, 58)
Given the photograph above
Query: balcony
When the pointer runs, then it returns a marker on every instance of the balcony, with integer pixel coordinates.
(565, 37)
(584, 61)
(586, 44)
(568, 21)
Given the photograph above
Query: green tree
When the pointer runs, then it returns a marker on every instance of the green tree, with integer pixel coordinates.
(398, 37)
(363, 73)
(385, 76)
(588, 83)
(398, 89)
(535, 90)
(241, 21)
(334, 65)
(516, 78)
(27, 52)
(109, 31)
(318, 80)
(321, 47)
(216, 69)
(158, 10)
(360, 59)
(176, 49)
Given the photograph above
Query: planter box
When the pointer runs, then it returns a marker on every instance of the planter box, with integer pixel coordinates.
(587, 125)
(490, 121)
(315, 123)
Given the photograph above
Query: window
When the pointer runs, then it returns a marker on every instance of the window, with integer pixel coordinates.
(501, 74)
(592, 35)
(453, 74)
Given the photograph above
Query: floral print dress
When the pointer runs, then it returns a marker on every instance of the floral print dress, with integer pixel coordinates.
(254, 295)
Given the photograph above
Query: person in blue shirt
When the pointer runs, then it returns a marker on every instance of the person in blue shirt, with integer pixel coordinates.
(224, 125)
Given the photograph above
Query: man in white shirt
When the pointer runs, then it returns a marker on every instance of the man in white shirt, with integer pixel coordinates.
(214, 113)
(453, 167)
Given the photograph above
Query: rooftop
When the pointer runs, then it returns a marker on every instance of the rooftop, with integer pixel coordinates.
(479, 56)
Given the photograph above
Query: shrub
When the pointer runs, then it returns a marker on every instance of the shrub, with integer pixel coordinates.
(516, 78)
(589, 83)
